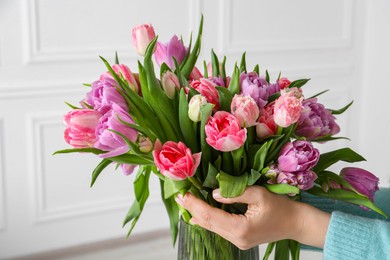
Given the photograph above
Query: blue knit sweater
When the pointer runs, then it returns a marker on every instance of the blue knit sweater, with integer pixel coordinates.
(354, 233)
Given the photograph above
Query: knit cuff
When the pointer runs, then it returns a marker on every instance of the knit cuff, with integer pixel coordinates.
(347, 237)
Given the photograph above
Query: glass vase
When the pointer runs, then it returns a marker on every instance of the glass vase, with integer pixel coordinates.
(196, 243)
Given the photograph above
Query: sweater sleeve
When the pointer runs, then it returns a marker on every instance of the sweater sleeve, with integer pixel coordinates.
(354, 233)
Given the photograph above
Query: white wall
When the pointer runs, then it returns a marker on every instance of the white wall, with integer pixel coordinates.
(49, 48)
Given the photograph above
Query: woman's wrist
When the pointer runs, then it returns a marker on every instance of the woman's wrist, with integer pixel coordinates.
(311, 225)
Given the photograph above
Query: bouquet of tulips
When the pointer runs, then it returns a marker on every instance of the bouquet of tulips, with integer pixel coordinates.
(197, 132)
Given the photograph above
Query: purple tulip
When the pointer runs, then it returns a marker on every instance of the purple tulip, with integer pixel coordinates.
(174, 48)
(306, 179)
(257, 87)
(316, 121)
(363, 181)
(288, 178)
(109, 140)
(103, 94)
(298, 156)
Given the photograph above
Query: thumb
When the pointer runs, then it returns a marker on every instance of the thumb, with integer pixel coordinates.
(251, 195)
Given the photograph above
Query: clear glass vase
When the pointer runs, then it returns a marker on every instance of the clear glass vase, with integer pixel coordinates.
(196, 243)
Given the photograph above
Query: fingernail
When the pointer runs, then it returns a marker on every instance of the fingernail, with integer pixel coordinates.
(179, 199)
(193, 221)
(216, 194)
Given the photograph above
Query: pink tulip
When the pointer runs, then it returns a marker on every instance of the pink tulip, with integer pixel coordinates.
(175, 160)
(245, 109)
(128, 168)
(208, 90)
(195, 74)
(124, 72)
(80, 127)
(284, 83)
(224, 133)
(288, 107)
(170, 83)
(266, 124)
(142, 35)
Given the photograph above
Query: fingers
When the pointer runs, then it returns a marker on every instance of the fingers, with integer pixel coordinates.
(208, 217)
(251, 195)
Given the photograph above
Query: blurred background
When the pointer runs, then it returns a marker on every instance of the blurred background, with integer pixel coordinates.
(49, 48)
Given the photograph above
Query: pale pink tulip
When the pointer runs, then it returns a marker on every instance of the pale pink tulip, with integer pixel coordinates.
(288, 107)
(142, 35)
(170, 83)
(245, 109)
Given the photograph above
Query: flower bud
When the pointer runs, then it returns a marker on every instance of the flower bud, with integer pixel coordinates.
(363, 181)
(169, 83)
(126, 74)
(145, 145)
(194, 106)
(142, 35)
(284, 83)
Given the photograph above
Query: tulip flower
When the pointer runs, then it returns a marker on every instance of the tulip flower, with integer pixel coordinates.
(298, 156)
(245, 109)
(170, 83)
(142, 35)
(363, 181)
(224, 133)
(194, 107)
(80, 127)
(175, 160)
(208, 90)
(172, 49)
(288, 107)
(283, 83)
(266, 124)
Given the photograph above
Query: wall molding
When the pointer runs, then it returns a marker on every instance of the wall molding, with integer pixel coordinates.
(228, 46)
(2, 179)
(37, 124)
(35, 54)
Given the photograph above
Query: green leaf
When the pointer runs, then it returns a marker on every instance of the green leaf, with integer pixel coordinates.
(273, 97)
(187, 67)
(253, 177)
(186, 124)
(294, 249)
(337, 178)
(243, 63)
(281, 250)
(347, 196)
(261, 155)
(172, 187)
(234, 85)
(99, 168)
(72, 106)
(80, 150)
(257, 69)
(298, 83)
(329, 138)
(232, 186)
(282, 188)
(225, 98)
(116, 58)
(269, 250)
(318, 94)
(205, 72)
(223, 70)
(341, 110)
(267, 76)
(211, 178)
(215, 64)
(141, 191)
(204, 146)
(132, 159)
(330, 158)
(164, 68)
(173, 212)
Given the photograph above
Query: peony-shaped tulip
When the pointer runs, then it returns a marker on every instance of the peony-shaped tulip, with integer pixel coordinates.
(266, 124)
(288, 107)
(208, 90)
(315, 121)
(172, 49)
(306, 179)
(256, 87)
(196, 103)
(175, 160)
(245, 109)
(170, 83)
(224, 133)
(104, 94)
(80, 127)
(110, 141)
(141, 36)
(298, 156)
(363, 181)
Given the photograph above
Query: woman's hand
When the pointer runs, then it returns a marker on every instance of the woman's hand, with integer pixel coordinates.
(269, 217)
